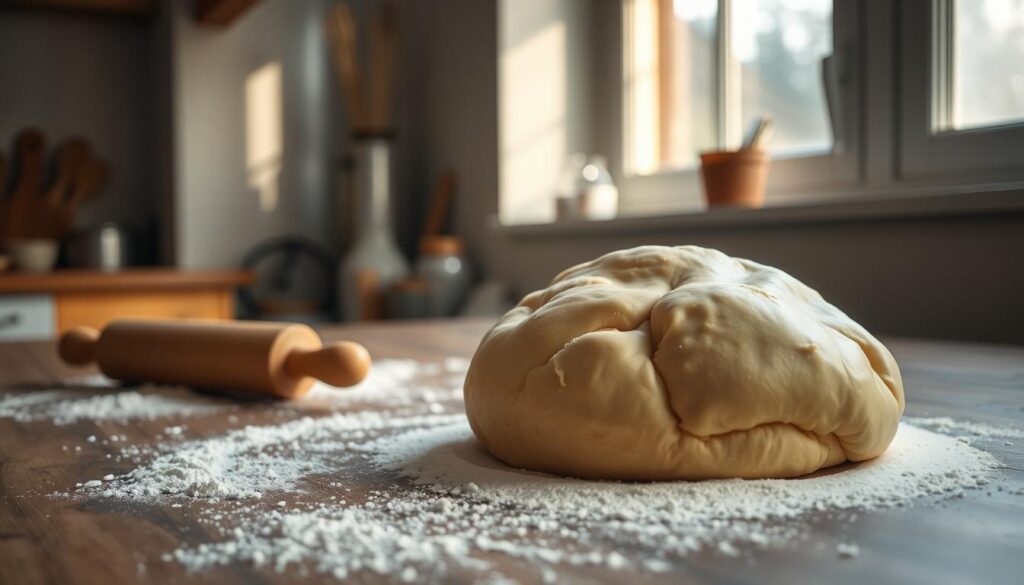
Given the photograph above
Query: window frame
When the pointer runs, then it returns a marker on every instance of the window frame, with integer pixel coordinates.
(791, 178)
(886, 124)
(980, 154)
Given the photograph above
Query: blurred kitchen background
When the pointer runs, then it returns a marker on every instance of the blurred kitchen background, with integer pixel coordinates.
(320, 161)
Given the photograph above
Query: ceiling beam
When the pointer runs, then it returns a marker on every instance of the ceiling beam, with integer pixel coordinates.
(221, 12)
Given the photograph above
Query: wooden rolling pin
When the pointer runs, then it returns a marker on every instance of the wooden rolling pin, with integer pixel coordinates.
(274, 359)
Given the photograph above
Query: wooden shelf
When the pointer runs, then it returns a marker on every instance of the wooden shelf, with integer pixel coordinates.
(136, 279)
(220, 12)
(126, 8)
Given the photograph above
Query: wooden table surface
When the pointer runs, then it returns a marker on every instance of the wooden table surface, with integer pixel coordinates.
(976, 539)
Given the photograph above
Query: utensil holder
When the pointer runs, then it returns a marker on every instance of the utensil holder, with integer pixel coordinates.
(374, 261)
(735, 178)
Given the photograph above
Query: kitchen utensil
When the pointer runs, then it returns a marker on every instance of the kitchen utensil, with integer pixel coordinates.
(3, 176)
(759, 134)
(50, 217)
(26, 198)
(374, 262)
(442, 265)
(70, 156)
(35, 255)
(272, 359)
(370, 106)
(440, 203)
(107, 247)
(4, 201)
(341, 33)
(92, 176)
(383, 40)
(734, 178)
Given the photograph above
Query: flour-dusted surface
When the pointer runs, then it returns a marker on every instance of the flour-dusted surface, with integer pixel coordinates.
(65, 406)
(445, 509)
(965, 429)
(255, 460)
(391, 383)
(340, 506)
(463, 504)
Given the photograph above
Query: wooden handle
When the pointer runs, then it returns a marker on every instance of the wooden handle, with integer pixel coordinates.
(78, 346)
(344, 363)
(3, 174)
(439, 207)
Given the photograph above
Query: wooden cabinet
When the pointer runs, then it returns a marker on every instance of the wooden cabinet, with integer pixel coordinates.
(43, 306)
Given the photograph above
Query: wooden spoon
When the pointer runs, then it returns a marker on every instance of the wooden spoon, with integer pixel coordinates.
(71, 154)
(91, 177)
(28, 150)
(3, 174)
(70, 157)
(3, 197)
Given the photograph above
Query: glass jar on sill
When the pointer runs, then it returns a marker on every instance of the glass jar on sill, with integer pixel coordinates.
(586, 190)
(445, 269)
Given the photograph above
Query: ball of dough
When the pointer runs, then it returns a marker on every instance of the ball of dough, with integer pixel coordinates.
(661, 363)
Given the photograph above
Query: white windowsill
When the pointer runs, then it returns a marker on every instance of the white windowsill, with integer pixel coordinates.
(959, 201)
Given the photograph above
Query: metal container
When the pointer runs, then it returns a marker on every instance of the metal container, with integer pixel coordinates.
(442, 265)
(107, 247)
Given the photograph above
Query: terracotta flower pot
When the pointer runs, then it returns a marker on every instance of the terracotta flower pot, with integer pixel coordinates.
(734, 178)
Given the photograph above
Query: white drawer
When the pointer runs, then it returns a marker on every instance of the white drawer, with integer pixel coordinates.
(27, 318)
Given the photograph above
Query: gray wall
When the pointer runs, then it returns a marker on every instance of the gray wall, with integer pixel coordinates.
(218, 217)
(955, 278)
(70, 74)
(451, 102)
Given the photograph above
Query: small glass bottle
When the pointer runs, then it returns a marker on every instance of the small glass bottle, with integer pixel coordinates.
(586, 190)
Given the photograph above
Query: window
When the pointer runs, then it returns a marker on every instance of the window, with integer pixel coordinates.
(697, 73)
(870, 99)
(700, 71)
(979, 62)
(962, 90)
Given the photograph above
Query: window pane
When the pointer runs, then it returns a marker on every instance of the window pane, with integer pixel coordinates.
(778, 46)
(988, 84)
(690, 121)
(671, 82)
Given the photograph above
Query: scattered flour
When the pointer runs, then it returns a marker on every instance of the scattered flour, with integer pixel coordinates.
(249, 462)
(403, 490)
(398, 382)
(147, 402)
(847, 550)
(461, 504)
(948, 426)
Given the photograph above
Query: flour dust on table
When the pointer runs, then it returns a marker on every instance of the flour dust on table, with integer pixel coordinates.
(100, 401)
(97, 398)
(403, 492)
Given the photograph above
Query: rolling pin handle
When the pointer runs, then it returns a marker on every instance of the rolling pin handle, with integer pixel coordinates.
(78, 346)
(344, 363)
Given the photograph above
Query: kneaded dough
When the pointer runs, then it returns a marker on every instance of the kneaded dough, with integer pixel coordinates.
(661, 363)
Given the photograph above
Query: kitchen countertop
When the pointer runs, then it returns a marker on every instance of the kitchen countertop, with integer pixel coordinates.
(978, 538)
(155, 278)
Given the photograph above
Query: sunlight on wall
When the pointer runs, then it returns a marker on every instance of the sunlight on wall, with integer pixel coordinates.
(263, 126)
(642, 130)
(533, 136)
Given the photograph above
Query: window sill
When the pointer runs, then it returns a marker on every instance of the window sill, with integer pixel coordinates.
(865, 207)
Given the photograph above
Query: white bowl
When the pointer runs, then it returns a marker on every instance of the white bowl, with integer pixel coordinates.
(34, 254)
